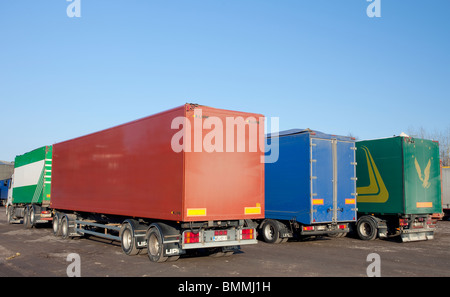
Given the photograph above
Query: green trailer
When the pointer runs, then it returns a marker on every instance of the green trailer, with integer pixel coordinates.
(31, 183)
(398, 187)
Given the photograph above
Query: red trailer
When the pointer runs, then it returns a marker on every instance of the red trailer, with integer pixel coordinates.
(177, 180)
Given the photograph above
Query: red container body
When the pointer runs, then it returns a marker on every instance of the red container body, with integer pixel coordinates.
(132, 170)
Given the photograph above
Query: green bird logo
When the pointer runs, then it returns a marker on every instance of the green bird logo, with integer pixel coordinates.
(425, 179)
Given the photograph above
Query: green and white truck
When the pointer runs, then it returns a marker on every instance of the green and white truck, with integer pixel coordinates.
(29, 193)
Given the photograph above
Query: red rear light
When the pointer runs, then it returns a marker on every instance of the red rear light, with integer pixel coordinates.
(431, 223)
(403, 222)
(308, 228)
(342, 226)
(247, 234)
(191, 237)
(220, 232)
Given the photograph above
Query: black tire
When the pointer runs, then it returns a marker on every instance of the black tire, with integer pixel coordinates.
(367, 228)
(33, 216)
(173, 258)
(9, 214)
(56, 224)
(128, 240)
(155, 249)
(64, 227)
(26, 217)
(270, 231)
(337, 234)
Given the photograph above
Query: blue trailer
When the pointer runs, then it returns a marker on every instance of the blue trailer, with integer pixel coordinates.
(4, 187)
(311, 189)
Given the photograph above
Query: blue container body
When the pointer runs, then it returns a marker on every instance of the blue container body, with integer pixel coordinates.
(4, 185)
(314, 179)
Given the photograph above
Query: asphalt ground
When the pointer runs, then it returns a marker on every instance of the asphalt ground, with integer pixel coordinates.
(38, 253)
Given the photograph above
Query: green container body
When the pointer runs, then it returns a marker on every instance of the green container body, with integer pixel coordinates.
(398, 175)
(32, 177)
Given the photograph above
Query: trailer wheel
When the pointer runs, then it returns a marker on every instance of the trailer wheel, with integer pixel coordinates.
(336, 234)
(271, 232)
(367, 228)
(56, 225)
(155, 245)
(64, 227)
(9, 214)
(127, 239)
(26, 217)
(173, 258)
(33, 216)
(29, 218)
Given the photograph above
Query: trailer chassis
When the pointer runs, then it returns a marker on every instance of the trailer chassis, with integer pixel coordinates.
(163, 240)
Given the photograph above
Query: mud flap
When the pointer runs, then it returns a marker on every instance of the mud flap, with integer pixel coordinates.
(173, 249)
(382, 229)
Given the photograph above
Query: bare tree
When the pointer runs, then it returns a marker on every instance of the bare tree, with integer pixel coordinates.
(443, 136)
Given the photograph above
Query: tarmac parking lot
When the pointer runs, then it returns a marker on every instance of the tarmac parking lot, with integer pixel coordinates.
(37, 252)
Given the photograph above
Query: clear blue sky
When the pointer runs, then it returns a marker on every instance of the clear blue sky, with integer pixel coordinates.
(319, 64)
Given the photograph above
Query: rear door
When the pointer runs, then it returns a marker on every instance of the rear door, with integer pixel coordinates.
(321, 180)
(333, 180)
(422, 176)
(346, 181)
